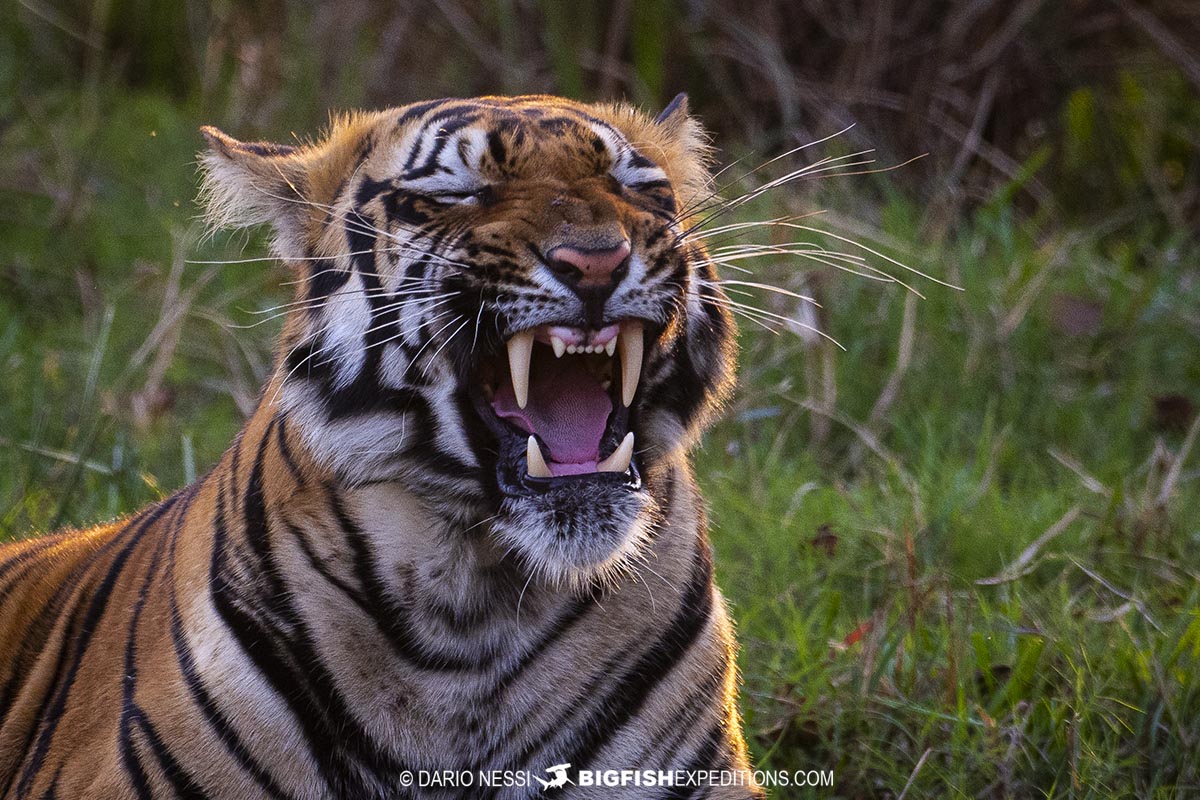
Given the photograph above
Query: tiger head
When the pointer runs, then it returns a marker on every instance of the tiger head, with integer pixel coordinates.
(498, 305)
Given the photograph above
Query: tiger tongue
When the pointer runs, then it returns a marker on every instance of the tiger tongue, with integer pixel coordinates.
(568, 409)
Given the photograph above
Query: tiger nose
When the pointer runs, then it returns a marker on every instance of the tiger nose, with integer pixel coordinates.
(590, 268)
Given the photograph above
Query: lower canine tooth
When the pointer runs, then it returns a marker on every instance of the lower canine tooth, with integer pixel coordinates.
(520, 347)
(620, 458)
(630, 342)
(535, 464)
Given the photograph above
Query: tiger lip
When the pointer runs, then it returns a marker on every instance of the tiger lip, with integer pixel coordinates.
(626, 337)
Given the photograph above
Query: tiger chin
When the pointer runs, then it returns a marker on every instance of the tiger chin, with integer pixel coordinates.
(460, 531)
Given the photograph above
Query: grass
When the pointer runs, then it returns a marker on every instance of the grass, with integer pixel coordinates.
(960, 552)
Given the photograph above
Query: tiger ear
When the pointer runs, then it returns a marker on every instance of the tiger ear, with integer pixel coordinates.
(683, 150)
(675, 114)
(681, 127)
(251, 183)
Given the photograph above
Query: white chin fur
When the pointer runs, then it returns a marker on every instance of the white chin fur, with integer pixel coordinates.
(598, 549)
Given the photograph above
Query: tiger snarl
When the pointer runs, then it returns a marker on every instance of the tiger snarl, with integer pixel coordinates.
(460, 531)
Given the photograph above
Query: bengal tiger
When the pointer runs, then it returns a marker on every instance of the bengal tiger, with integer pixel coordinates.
(460, 531)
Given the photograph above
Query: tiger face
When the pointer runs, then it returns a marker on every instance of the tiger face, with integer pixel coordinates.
(499, 307)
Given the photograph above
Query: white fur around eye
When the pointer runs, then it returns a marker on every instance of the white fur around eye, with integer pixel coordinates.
(471, 199)
(628, 166)
(456, 177)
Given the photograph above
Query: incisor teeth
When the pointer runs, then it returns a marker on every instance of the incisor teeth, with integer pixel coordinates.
(630, 342)
(520, 346)
(535, 463)
(559, 346)
(611, 347)
(620, 458)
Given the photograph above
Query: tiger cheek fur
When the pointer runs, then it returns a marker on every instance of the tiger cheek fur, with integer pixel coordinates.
(460, 531)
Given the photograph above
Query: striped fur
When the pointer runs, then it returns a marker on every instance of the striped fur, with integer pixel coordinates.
(352, 591)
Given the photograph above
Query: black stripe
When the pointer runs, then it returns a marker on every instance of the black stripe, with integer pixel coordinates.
(17, 581)
(324, 280)
(449, 121)
(285, 451)
(639, 161)
(440, 139)
(254, 516)
(262, 647)
(351, 593)
(91, 619)
(484, 717)
(701, 762)
(496, 148)
(626, 699)
(130, 713)
(31, 550)
(392, 617)
(183, 784)
(35, 638)
(269, 630)
(199, 692)
(417, 110)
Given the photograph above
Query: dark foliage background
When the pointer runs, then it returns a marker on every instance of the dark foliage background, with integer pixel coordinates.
(991, 90)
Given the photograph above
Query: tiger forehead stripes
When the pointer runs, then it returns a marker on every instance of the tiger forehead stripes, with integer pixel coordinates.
(460, 531)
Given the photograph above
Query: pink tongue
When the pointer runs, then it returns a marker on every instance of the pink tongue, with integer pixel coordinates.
(567, 409)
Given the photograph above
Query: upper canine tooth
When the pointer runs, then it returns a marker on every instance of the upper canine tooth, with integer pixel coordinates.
(535, 463)
(520, 346)
(611, 347)
(630, 342)
(559, 346)
(620, 458)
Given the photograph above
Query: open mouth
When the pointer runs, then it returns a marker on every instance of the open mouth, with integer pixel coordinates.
(560, 404)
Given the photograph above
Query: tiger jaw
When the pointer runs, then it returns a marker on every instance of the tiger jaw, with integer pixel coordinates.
(584, 382)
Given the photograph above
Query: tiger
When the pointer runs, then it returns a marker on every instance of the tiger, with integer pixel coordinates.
(461, 530)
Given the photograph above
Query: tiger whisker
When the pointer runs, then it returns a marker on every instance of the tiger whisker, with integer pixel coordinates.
(433, 336)
(748, 196)
(314, 303)
(259, 259)
(762, 223)
(311, 305)
(359, 223)
(430, 321)
(478, 320)
(753, 311)
(311, 361)
(872, 251)
(768, 163)
(832, 260)
(432, 358)
(767, 287)
(520, 598)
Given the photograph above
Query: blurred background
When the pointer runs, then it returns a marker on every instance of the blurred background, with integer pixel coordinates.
(960, 539)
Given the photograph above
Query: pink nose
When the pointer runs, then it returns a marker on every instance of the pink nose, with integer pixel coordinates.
(589, 267)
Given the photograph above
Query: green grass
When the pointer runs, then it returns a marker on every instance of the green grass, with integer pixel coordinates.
(871, 506)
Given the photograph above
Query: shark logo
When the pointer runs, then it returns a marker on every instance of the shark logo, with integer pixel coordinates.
(559, 779)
